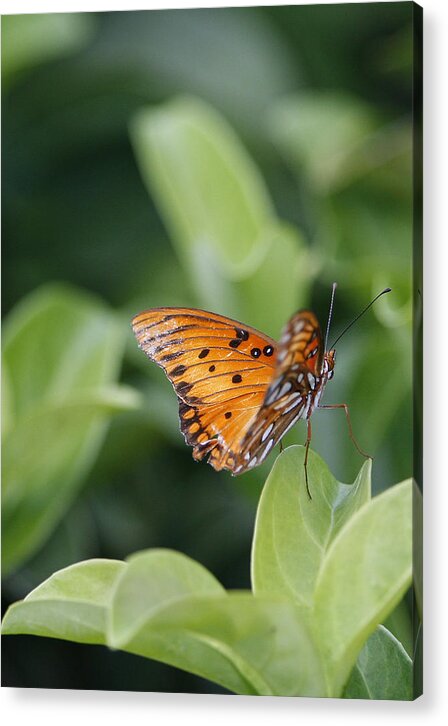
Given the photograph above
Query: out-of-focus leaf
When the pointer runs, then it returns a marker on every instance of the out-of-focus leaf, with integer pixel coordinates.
(395, 54)
(63, 351)
(7, 403)
(208, 189)
(383, 670)
(294, 532)
(31, 39)
(380, 383)
(56, 341)
(247, 68)
(285, 275)
(239, 257)
(366, 572)
(322, 133)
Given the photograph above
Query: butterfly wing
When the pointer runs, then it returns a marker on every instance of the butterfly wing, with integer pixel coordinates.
(301, 343)
(220, 370)
(293, 392)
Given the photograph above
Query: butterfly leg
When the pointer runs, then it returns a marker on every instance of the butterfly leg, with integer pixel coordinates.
(349, 423)
(307, 446)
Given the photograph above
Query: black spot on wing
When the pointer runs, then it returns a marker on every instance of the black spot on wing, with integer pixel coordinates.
(178, 370)
(242, 334)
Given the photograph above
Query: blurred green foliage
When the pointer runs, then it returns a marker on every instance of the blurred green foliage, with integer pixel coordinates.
(235, 159)
(61, 356)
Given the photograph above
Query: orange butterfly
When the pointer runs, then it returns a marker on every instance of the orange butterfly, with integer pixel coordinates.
(239, 391)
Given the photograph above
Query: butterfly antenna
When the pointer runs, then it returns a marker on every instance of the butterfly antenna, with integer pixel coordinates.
(330, 314)
(387, 289)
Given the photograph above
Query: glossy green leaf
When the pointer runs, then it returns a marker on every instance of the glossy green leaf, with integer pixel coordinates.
(383, 670)
(365, 573)
(292, 532)
(71, 605)
(62, 351)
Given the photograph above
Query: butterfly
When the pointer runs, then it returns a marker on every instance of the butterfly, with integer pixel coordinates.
(239, 391)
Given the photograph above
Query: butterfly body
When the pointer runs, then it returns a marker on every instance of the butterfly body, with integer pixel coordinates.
(238, 390)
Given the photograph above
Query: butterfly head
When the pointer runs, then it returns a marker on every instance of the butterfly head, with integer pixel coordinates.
(328, 364)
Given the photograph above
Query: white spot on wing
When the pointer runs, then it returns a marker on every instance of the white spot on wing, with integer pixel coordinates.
(308, 405)
(269, 446)
(311, 380)
(267, 432)
(295, 398)
(285, 389)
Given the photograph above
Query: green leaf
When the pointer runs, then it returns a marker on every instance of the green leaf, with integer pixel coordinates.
(249, 645)
(236, 253)
(400, 622)
(207, 188)
(151, 580)
(31, 39)
(168, 607)
(71, 605)
(62, 351)
(292, 532)
(387, 392)
(7, 403)
(325, 134)
(366, 571)
(58, 340)
(417, 511)
(383, 670)
(284, 275)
